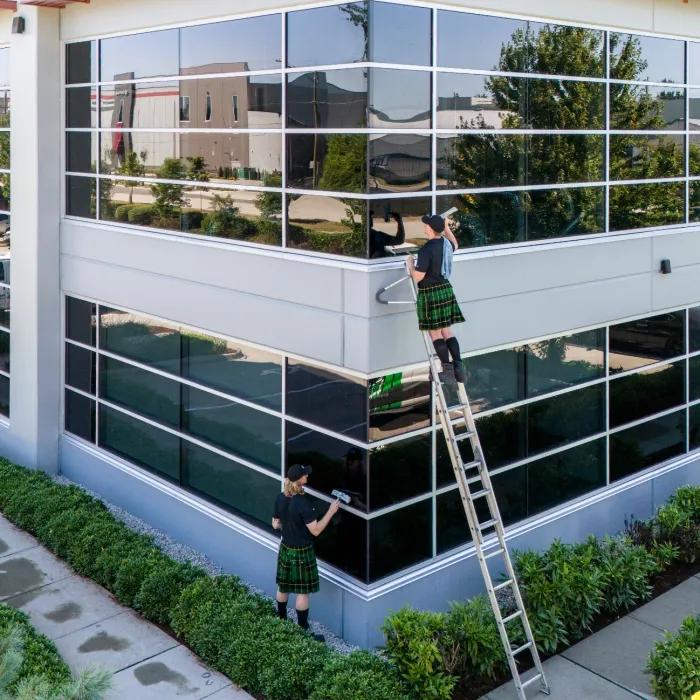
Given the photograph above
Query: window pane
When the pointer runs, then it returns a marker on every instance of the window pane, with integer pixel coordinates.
(645, 445)
(400, 34)
(645, 157)
(140, 55)
(327, 35)
(81, 63)
(80, 196)
(694, 156)
(334, 99)
(385, 230)
(444, 471)
(81, 151)
(236, 488)
(327, 225)
(81, 110)
(400, 539)
(80, 415)
(331, 400)
(694, 62)
(145, 445)
(80, 368)
(232, 367)
(646, 107)
(132, 105)
(694, 366)
(399, 163)
(511, 217)
(4, 351)
(5, 396)
(694, 432)
(335, 162)
(467, 101)
(228, 47)
(5, 299)
(496, 379)
(647, 340)
(240, 430)
(513, 45)
(400, 470)
(81, 325)
(486, 160)
(140, 391)
(643, 394)
(399, 403)
(146, 340)
(646, 206)
(566, 361)
(399, 99)
(452, 527)
(5, 107)
(336, 464)
(694, 203)
(694, 330)
(636, 57)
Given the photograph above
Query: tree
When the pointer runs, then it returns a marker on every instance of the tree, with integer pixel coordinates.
(197, 170)
(344, 168)
(132, 167)
(169, 198)
(269, 204)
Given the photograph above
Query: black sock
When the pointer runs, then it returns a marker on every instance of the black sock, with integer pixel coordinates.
(303, 618)
(453, 346)
(441, 351)
(282, 610)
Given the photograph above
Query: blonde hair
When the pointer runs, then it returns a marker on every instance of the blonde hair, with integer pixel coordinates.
(292, 488)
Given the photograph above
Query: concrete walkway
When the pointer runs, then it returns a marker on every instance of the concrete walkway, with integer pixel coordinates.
(610, 664)
(89, 626)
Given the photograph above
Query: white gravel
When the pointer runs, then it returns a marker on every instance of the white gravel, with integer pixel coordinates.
(182, 553)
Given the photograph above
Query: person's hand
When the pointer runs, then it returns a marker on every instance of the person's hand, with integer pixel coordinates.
(409, 262)
(396, 215)
(333, 507)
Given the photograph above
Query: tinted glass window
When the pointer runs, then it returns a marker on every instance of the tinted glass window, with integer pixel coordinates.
(80, 368)
(646, 107)
(140, 338)
(81, 63)
(642, 157)
(228, 47)
(694, 203)
(694, 368)
(395, 224)
(241, 430)
(645, 341)
(81, 151)
(5, 68)
(5, 306)
(646, 58)
(334, 401)
(327, 35)
(467, 101)
(399, 163)
(80, 196)
(645, 445)
(81, 107)
(444, 471)
(232, 367)
(5, 396)
(4, 351)
(145, 445)
(122, 106)
(400, 34)
(643, 394)
(694, 62)
(80, 321)
(452, 526)
(496, 379)
(236, 488)
(646, 206)
(327, 99)
(694, 432)
(694, 159)
(485, 160)
(399, 99)
(140, 55)
(400, 539)
(80, 415)
(694, 329)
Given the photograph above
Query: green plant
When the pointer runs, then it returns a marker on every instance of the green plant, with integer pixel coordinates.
(141, 214)
(687, 500)
(675, 663)
(133, 572)
(674, 525)
(414, 646)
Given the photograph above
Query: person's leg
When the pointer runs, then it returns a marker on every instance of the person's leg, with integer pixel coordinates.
(452, 345)
(443, 354)
(282, 599)
(302, 608)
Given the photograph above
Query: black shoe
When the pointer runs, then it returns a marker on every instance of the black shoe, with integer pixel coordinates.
(460, 374)
(447, 376)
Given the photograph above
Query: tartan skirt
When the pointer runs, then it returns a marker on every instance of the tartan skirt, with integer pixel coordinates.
(297, 571)
(438, 308)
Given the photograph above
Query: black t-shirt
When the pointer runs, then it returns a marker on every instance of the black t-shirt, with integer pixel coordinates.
(295, 513)
(430, 262)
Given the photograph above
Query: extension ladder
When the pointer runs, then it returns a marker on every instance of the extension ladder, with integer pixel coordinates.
(475, 473)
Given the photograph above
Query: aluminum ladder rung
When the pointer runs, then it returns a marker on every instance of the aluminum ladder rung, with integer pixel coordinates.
(532, 680)
(489, 523)
(471, 465)
(503, 585)
(516, 614)
(480, 494)
(520, 650)
(464, 436)
(491, 555)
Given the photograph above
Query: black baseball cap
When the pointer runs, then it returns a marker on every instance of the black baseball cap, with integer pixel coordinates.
(296, 471)
(437, 223)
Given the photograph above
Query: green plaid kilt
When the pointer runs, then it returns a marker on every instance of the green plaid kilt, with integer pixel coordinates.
(438, 308)
(296, 569)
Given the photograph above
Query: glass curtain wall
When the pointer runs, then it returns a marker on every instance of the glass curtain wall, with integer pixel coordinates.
(5, 232)
(558, 419)
(334, 129)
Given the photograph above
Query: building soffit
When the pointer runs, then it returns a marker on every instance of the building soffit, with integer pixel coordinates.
(58, 4)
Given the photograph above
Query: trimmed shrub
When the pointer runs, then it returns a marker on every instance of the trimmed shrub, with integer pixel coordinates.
(674, 525)
(121, 213)
(675, 663)
(687, 500)
(141, 214)
(133, 572)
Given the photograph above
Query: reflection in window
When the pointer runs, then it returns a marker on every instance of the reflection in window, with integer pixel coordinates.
(646, 107)
(234, 100)
(80, 368)
(694, 427)
(80, 108)
(694, 379)
(399, 99)
(81, 151)
(81, 325)
(207, 108)
(396, 226)
(400, 34)
(81, 63)
(694, 202)
(642, 342)
(140, 56)
(399, 162)
(645, 206)
(645, 445)
(80, 196)
(79, 412)
(184, 108)
(399, 403)
(694, 328)
(646, 157)
(646, 58)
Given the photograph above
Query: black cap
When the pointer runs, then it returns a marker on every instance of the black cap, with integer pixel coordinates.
(296, 471)
(437, 223)
(354, 453)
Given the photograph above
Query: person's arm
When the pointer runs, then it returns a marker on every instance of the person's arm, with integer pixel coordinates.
(316, 527)
(450, 236)
(276, 523)
(400, 237)
(419, 269)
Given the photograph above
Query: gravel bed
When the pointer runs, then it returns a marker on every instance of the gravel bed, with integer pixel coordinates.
(182, 553)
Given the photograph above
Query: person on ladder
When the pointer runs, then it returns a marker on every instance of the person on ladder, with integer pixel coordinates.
(437, 305)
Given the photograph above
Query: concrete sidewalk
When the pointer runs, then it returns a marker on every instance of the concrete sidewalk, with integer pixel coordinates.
(610, 664)
(89, 626)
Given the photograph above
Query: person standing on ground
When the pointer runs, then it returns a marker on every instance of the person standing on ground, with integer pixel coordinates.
(297, 571)
(437, 305)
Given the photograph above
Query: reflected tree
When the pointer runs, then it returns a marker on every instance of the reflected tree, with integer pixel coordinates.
(5, 161)
(169, 198)
(132, 167)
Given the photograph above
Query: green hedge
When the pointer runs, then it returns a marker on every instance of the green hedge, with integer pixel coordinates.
(235, 631)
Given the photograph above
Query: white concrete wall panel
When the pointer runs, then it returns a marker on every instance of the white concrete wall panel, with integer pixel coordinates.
(679, 288)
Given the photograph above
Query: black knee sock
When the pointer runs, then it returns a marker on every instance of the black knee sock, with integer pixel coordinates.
(303, 618)
(441, 351)
(453, 346)
(282, 610)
